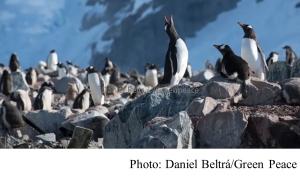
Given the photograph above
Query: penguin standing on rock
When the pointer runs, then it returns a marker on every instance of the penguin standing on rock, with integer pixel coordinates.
(106, 73)
(14, 64)
(96, 84)
(151, 78)
(82, 101)
(52, 60)
(6, 84)
(62, 70)
(176, 59)
(22, 99)
(290, 55)
(252, 52)
(31, 76)
(43, 99)
(234, 67)
(273, 57)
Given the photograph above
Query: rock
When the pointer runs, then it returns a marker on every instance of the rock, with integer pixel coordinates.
(176, 132)
(50, 137)
(221, 129)
(81, 138)
(222, 106)
(203, 76)
(201, 107)
(127, 126)
(90, 119)
(49, 121)
(279, 71)
(121, 101)
(62, 85)
(260, 124)
(291, 91)
(260, 84)
(65, 142)
(295, 72)
(19, 81)
(265, 96)
(286, 135)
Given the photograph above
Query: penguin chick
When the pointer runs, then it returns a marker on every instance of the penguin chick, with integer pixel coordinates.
(151, 78)
(82, 100)
(44, 99)
(31, 76)
(71, 93)
(290, 55)
(6, 84)
(273, 57)
(21, 97)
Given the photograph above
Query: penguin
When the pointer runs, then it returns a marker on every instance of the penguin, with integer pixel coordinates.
(96, 84)
(188, 72)
(234, 67)
(6, 84)
(106, 73)
(72, 69)
(14, 64)
(273, 57)
(71, 93)
(62, 70)
(208, 65)
(290, 55)
(12, 118)
(218, 65)
(22, 99)
(41, 67)
(115, 75)
(151, 78)
(176, 59)
(252, 52)
(43, 99)
(1, 68)
(82, 100)
(48, 84)
(31, 76)
(108, 65)
(52, 60)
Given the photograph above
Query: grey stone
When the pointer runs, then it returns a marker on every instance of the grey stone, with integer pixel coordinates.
(121, 101)
(50, 137)
(265, 96)
(81, 138)
(19, 81)
(176, 132)
(291, 91)
(260, 84)
(83, 77)
(296, 69)
(62, 85)
(279, 71)
(221, 129)
(128, 124)
(201, 107)
(203, 76)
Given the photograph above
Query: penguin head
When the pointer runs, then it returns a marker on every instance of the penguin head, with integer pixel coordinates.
(287, 48)
(48, 84)
(248, 30)
(60, 65)
(52, 51)
(272, 54)
(170, 28)
(224, 49)
(2, 65)
(69, 62)
(91, 69)
(14, 57)
(5, 74)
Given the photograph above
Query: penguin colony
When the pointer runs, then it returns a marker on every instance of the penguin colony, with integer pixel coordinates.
(103, 84)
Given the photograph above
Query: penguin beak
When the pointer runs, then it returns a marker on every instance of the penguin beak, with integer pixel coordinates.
(217, 47)
(166, 20)
(241, 24)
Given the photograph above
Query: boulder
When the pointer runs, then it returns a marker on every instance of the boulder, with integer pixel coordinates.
(260, 84)
(203, 76)
(50, 137)
(127, 125)
(19, 81)
(260, 124)
(81, 138)
(221, 129)
(201, 107)
(62, 85)
(291, 91)
(295, 72)
(279, 71)
(265, 96)
(176, 132)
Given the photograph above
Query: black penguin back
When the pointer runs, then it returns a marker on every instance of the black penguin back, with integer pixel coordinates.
(14, 63)
(6, 83)
(79, 100)
(13, 115)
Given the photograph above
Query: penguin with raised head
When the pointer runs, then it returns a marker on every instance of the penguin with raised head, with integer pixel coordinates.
(44, 99)
(6, 84)
(188, 73)
(31, 76)
(96, 84)
(115, 75)
(106, 73)
(273, 57)
(176, 60)
(14, 64)
(82, 101)
(218, 65)
(22, 99)
(234, 67)
(52, 60)
(290, 55)
(151, 78)
(252, 52)
(62, 70)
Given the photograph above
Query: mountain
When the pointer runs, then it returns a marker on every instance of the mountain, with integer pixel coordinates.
(131, 32)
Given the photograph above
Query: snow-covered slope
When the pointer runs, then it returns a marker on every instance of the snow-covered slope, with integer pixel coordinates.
(32, 28)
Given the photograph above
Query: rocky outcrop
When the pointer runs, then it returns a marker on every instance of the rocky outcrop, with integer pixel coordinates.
(279, 71)
(19, 81)
(291, 91)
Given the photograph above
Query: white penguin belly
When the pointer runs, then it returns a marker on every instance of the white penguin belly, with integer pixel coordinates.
(182, 61)
(151, 78)
(47, 98)
(86, 101)
(52, 61)
(73, 70)
(106, 78)
(95, 87)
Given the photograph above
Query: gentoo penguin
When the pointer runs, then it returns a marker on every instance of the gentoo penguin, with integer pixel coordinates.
(62, 70)
(218, 66)
(108, 65)
(43, 99)
(234, 67)
(252, 52)
(176, 59)
(1, 68)
(151, 78)
(273, 57)
(52, 60)
(6, 84)
(22, 99)
(71, 94)
(14, 64)
(31, 76)
(106, 73)
(115, 75)
(188, 72)
(290, 55)
(48, 84)
(41, 67)
(82, 101)
(96, 84)
(72, 69)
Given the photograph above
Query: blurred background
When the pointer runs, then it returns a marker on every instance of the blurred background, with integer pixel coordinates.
(131, 32)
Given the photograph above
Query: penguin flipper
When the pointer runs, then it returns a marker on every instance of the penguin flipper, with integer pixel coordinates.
(102, 84)
(261, 53)
(168, 70)
(244, 89)
(34, 126)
